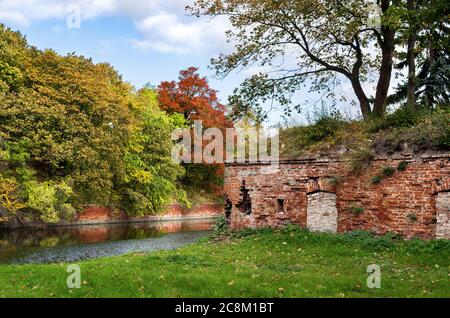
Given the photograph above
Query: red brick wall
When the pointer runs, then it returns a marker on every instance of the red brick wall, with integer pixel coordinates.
(99, 213)
(390, 206)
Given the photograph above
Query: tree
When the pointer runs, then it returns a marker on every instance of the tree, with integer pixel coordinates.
(151, 174)
(322, 39)
(192, 97)
(74, 133)
(426, 33)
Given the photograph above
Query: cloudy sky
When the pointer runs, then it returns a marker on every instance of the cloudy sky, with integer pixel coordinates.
(147, 41)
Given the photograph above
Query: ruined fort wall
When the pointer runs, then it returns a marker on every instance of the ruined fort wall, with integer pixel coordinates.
(325, 196)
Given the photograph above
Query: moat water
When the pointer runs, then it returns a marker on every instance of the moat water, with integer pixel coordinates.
(71, 244)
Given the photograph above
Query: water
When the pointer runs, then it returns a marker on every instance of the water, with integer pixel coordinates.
(71, 244)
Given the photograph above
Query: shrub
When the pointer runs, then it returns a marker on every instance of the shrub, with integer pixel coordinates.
(221, 227)
(9, 199)
(376, 179)
(360, 159)
(356, 210)
(357, 235)
(50, 200)
(412, 217)
(402, 166)
(421, 246)
(388, 171)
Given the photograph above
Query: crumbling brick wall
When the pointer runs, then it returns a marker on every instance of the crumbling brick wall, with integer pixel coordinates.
(404, 202)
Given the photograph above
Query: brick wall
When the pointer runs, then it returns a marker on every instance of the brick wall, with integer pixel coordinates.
(100, 214)
(404, 203)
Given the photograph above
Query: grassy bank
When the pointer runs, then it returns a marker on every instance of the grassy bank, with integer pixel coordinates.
(330, 133)
(285, 263)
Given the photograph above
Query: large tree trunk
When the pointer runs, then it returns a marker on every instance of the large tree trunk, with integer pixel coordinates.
(411, 57)
(362, 98)
(387, 50)
(429, 90)
(384, 81)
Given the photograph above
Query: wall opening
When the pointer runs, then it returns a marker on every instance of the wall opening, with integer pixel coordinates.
(280, 205)
(228, 209)
(322, 212)
(245, 204)
(443, 215)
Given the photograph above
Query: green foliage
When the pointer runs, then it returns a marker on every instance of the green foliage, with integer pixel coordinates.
(388, 171)
(221, 227)
(359, 141)
(255, 265)
(324, 128)
(356, 210)
(402, 166)
(9, 195)
(431, 132)
(50, 200)
(73, 133)
(412, 217)
(151, 174)
(371, 241)
(377, 179)
(360, 159)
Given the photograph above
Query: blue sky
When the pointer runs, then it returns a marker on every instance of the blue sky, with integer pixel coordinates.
(124, 35)
(147, 41)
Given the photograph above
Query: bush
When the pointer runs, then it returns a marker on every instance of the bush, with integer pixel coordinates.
(388, 171)
(360, 159)
(421, 246)
(356, 210)
(412, 217)
(50, 200)
(9, 196)
(370, 240)
(221, 227)
(402, 166)
(376, 179)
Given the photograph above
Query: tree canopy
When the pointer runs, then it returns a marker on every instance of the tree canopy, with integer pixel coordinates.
(74, 133)
(308, 43)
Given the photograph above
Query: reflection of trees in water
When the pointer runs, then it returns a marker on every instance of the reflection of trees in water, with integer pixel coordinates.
(36, 237)
(49, 237)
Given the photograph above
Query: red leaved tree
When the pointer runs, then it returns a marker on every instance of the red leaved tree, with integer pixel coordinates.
(192, 96)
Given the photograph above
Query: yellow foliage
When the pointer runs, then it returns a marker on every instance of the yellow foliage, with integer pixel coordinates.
(8, 198)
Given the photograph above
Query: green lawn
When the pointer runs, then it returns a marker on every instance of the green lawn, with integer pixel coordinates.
(285, 263)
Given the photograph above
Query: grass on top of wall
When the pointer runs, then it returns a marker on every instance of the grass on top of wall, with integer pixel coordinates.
(330, 132)
(290, 262)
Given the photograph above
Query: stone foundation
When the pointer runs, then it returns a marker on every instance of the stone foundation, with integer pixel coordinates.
(323, 195)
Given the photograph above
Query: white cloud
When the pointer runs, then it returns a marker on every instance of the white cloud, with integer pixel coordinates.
(162, 24)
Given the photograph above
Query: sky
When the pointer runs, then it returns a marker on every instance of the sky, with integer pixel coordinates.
(147, 41)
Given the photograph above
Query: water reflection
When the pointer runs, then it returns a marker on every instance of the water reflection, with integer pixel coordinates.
(62, 244)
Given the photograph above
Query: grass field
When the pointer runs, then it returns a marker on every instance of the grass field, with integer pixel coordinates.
(264, 263)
